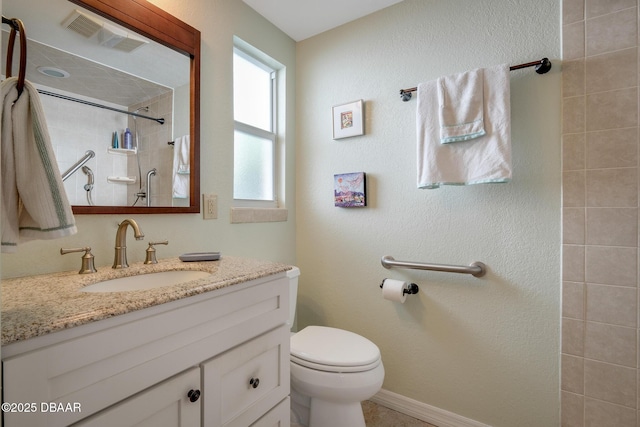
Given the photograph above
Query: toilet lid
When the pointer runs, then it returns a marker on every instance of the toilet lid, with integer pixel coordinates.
(335, 350)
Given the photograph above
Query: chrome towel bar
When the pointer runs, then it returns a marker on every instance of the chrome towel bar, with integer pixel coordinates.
(542, 67)
(476, 269)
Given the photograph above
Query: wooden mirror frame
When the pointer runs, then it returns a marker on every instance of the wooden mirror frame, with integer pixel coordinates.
(152, 22)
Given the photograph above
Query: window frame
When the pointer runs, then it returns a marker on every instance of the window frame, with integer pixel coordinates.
(271, 134)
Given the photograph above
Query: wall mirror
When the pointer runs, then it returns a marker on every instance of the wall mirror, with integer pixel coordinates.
(102, 66)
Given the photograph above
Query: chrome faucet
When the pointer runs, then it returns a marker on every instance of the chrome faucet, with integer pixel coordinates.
(120, 260)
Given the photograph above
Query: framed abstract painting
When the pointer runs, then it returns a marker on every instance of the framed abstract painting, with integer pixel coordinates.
(349, 190)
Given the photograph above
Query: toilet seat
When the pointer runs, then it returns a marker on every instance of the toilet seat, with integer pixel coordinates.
(333, 350)
(334, 368)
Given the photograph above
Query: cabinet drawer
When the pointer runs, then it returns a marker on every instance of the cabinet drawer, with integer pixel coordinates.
(280, 416)
(244, 383)
(166, 404)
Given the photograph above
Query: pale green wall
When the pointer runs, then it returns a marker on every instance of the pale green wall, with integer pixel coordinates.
(218, 21)
(486, 349)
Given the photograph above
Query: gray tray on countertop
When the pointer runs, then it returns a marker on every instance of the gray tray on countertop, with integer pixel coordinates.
(200, 256)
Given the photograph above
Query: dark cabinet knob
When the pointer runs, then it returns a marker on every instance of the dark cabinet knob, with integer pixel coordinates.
(193, 395)
(254, 382)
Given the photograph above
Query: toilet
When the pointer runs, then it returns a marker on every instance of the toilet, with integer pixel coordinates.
(332, 371)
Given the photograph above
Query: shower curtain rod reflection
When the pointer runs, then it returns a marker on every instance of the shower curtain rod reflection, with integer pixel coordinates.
(93, 104)
(542, 66)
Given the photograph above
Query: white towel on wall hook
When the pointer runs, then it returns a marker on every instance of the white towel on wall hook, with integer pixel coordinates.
(34, 201)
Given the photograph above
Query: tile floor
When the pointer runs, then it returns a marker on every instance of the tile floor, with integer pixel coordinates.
(379, 416)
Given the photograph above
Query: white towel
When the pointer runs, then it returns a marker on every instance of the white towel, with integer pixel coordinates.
(181, 167)
(461, 98)
(34, 201)
(486, 159)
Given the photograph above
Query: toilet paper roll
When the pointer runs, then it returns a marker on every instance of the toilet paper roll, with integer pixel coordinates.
(393, 290)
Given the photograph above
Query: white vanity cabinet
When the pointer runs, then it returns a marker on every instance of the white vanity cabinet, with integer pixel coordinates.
(143, 368)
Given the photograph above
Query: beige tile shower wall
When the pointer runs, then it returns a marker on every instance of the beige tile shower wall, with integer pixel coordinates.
(154, 151)
(599, 380)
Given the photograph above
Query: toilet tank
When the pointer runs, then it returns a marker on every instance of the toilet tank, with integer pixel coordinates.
(293, 275)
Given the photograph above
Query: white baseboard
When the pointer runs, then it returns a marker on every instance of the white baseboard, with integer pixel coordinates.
(422, 411)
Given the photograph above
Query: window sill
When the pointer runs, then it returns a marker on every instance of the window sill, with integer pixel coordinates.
(251, 215)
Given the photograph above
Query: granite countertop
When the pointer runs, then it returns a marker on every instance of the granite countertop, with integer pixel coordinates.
(37, 305)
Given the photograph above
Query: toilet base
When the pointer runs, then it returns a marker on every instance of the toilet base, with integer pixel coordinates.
(299, 410)
(307, 412)
(331, 399)
(324, 414)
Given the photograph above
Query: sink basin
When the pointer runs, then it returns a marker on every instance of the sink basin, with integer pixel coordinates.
(146, 281)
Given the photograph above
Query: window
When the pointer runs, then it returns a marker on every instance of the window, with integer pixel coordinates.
(254, 113)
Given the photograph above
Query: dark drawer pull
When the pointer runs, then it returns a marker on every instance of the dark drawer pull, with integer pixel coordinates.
(193, 395)
(254, 382)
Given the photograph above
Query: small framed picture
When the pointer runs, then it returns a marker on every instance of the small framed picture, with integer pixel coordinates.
(348, 120)
(349, 190)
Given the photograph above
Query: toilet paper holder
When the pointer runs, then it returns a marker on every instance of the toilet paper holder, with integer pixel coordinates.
(411, 288)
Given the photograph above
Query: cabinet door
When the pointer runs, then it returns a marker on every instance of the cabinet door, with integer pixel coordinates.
(246, 382)
(167, 404)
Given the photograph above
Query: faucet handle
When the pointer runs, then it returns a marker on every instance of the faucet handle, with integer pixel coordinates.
(87, 259)
(151, 252)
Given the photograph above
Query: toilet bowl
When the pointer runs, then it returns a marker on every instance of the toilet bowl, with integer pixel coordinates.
(332, 371)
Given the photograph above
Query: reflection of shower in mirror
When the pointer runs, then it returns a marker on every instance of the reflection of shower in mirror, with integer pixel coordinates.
(76, 127)
(151, 173)
(141, 150)
(89, 185)
(136, 136)
(147, 192)
(159, 76)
